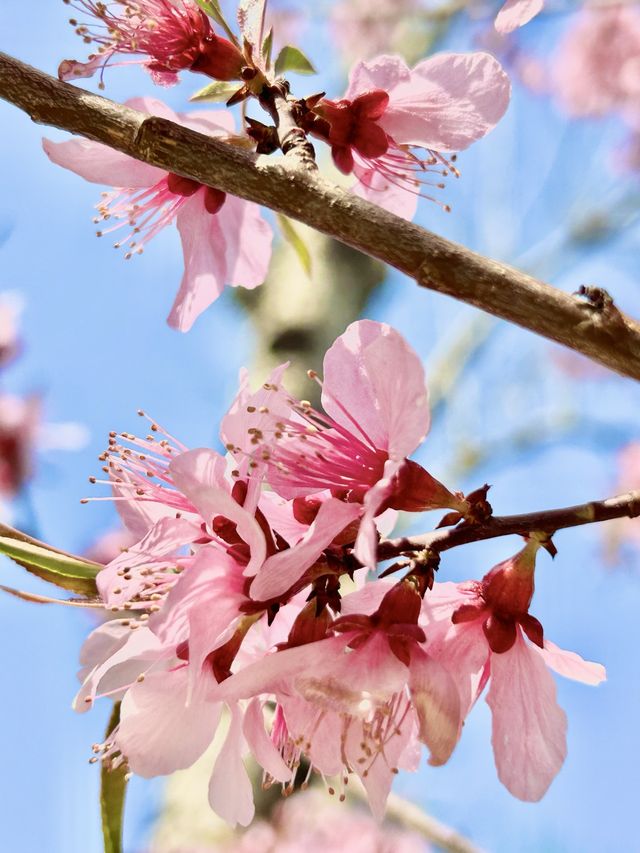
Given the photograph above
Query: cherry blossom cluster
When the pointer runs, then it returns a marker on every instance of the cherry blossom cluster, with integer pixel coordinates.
(252, 596)
(396, 130)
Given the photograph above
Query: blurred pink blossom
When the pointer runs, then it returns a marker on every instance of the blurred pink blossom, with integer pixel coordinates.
(225, 240)
(311, 822)
(20, 422)
(597, 68)
(362, 31)
(110, 545)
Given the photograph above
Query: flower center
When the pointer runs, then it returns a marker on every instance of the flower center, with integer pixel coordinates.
(172, 32)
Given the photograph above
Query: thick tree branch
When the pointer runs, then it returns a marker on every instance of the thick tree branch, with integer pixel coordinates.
(545, 521)
(608, 336)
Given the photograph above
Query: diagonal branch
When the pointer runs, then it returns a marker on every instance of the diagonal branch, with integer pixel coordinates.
(603, 334)
(544, 521)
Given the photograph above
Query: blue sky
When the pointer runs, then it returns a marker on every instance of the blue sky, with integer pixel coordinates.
(99, 349)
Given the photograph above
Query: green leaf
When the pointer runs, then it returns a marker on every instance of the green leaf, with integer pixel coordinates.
(63, 570)
(292, 59)
(296, 242)
(267, 47)
(213, 10)
(220, 90)
(113, 788)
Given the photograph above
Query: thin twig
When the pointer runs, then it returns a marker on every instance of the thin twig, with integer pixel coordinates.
(612, 339)
(544, 521)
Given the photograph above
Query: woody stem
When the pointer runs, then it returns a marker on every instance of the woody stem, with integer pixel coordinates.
(294, 142)
(543, 521)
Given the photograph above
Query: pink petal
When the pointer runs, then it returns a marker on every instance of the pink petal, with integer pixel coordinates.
(464, 651)
(261, 745)
(374, 187)
(381, 772)
(571, 665)
(368, 599)
(366, 547)
(199, 474)
(341, 681)
(437, 703)
(282, 570)
(516, 13)
(324, 738)
(165, 538)
(441, 601)
(203, 608)
(230, 790)
(158, 731)
(279, 514)
(211, 122)
(153, 107)
(274, 672)
(453, 99)
(372, 372)
(205, 269)
(120, 664)
(102, 642)
(529, 728)
(384, 73)
(235, 426)
(247, 238)
(101, 165)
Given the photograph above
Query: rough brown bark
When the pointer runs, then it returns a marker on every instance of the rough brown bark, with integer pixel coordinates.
(604, 335)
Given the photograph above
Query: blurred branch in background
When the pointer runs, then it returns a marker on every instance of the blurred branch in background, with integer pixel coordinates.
(298, 315)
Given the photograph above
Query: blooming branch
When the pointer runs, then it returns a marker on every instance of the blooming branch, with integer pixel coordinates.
(543, 521)
(606, 336)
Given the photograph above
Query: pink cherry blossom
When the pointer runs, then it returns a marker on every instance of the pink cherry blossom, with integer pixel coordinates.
(164, 725)
(169, 35)
(479, 632)
(176, 502)
(376, 413)
(597, 68)
(164, 673)
(225, 240)
(442, 105)
(359, 701)
(517, 13)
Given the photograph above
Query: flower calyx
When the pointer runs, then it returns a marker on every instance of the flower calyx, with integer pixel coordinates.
(504, 598)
